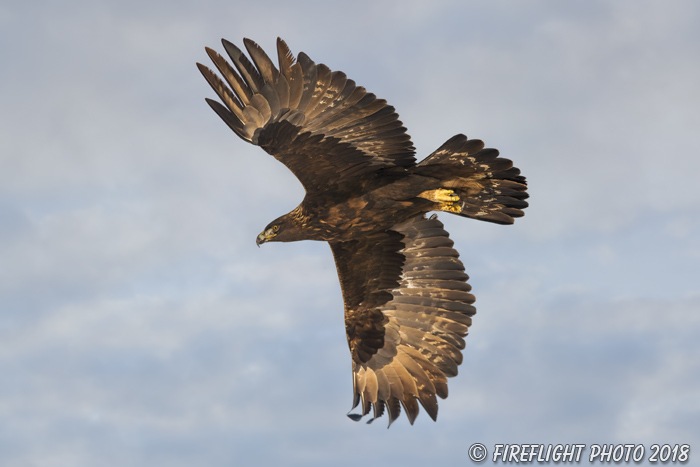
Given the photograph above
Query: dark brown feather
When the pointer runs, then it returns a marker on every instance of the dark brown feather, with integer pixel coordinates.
(383, 290)
(262, 62)
(250, 75)
(313, 99)
(408, 306)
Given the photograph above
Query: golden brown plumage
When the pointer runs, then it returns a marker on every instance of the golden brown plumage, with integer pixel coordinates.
(407, 303)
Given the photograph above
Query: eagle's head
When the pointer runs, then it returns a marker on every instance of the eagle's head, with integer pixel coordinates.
(293, 226)
(283, 229)
(274, 232)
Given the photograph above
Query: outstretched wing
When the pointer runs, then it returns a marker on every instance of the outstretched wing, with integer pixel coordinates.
(317, 122)
(407, 309)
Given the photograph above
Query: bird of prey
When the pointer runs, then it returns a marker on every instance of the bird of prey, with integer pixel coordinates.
(408, 306)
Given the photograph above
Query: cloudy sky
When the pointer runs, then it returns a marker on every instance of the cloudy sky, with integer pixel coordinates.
(140, 325)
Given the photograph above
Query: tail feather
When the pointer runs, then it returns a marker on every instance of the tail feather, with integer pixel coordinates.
(488, 186)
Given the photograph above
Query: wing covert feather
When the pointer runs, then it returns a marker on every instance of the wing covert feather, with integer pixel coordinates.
(315, 101)
(407, 310)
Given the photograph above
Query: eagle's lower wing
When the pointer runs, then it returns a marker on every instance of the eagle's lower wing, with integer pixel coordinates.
(407, 309)
(317, 122)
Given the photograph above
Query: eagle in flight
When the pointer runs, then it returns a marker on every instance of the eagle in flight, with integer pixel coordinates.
(408, 306)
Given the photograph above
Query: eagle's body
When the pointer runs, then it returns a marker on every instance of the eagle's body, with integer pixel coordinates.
(407, 302)
(383, 201)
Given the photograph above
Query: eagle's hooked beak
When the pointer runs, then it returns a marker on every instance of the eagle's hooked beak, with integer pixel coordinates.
(264, 237)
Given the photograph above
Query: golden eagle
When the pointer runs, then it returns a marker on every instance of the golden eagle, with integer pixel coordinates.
(407, 301)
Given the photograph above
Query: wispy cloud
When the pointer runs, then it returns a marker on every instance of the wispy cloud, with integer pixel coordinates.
(141, 326)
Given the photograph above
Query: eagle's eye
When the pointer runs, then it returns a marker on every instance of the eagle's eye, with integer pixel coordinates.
(275, 228)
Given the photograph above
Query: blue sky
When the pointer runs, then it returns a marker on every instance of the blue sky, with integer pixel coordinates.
(141, 326)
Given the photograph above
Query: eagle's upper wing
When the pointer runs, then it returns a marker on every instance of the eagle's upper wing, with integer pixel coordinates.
(407, 308)
(315, 121)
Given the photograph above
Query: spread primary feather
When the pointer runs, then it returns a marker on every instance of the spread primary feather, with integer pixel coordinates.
(408, 306)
